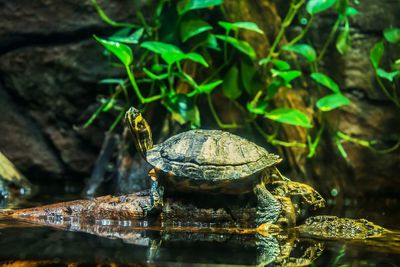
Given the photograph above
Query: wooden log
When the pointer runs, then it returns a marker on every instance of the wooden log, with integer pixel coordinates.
(132, 207)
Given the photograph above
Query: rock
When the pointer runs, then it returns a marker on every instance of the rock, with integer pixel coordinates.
(25, 22)
(23, 142)
(370, 121)
(12, 176)
(375, 16)
(357, 71)
(55, 85)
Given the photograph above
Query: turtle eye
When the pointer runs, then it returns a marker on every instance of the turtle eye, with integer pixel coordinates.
(140, 125)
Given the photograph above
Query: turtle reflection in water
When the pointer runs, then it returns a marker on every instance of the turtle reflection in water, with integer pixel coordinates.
(217, 162)
(265, 245)
(271, 250)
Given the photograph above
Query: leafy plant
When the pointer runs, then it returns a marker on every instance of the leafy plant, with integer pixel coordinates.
(178, 57)
(391, 37)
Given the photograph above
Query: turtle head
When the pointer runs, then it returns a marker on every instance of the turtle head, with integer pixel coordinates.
(140, 130)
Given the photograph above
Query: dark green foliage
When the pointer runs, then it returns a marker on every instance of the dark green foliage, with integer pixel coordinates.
(392, 37)
(181, 34)
(231, 87)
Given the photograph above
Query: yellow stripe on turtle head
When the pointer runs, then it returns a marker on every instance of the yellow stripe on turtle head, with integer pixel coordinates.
(140, 130)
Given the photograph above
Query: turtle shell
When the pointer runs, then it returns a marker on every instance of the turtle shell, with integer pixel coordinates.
(210, 155)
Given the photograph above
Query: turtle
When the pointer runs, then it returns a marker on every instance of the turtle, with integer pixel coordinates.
(212, 162)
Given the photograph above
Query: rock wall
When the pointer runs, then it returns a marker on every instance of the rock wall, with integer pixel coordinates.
(49, 71)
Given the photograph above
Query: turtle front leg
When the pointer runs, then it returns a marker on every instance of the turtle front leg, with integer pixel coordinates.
(308, 194)
(156, 194)
(268, 207)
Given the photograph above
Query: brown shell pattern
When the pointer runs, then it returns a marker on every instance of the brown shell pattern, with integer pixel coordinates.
(210, 155)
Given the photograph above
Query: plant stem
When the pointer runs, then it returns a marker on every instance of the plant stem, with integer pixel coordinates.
(294, 8)
(367, 144)
(387, 150)
(142, 99)
(116, 121)
(302, 33)
(329, 40)
(313, 145)
(217, 119)
(354, 140)
(385, 91)
(271, 139)
(109, 21)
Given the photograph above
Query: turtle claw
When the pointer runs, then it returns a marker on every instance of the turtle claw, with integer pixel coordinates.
(308, 194)
(156, 199)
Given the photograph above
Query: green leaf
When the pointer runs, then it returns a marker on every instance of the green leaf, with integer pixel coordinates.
(351, 11)
(130, 39)
(396, 64)
(183, 109)
(188, 79)
(212, 42)
(208, 87)
(305, 50)
(273, 88)
(196, 58)
(122, 32)
(186, 5)
(230, 86)
(376, 54)
(325, 81)
(155, 76)
(316, 6)
(257, 107)
(160, 47)
(387, 75)
(281, 64)
(172, 57)
(240, 45)
(289, 116)
(112, 81)
(157, 68)
(248, 74)
(247, 25)
(171, 54)
(193, 27)
(121, 51)
(392, 35)
(333, 101)
(264, 61)
(343, 39)
(287, 75)
(235, 26)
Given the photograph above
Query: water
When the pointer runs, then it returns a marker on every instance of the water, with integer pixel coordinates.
(71, 242)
